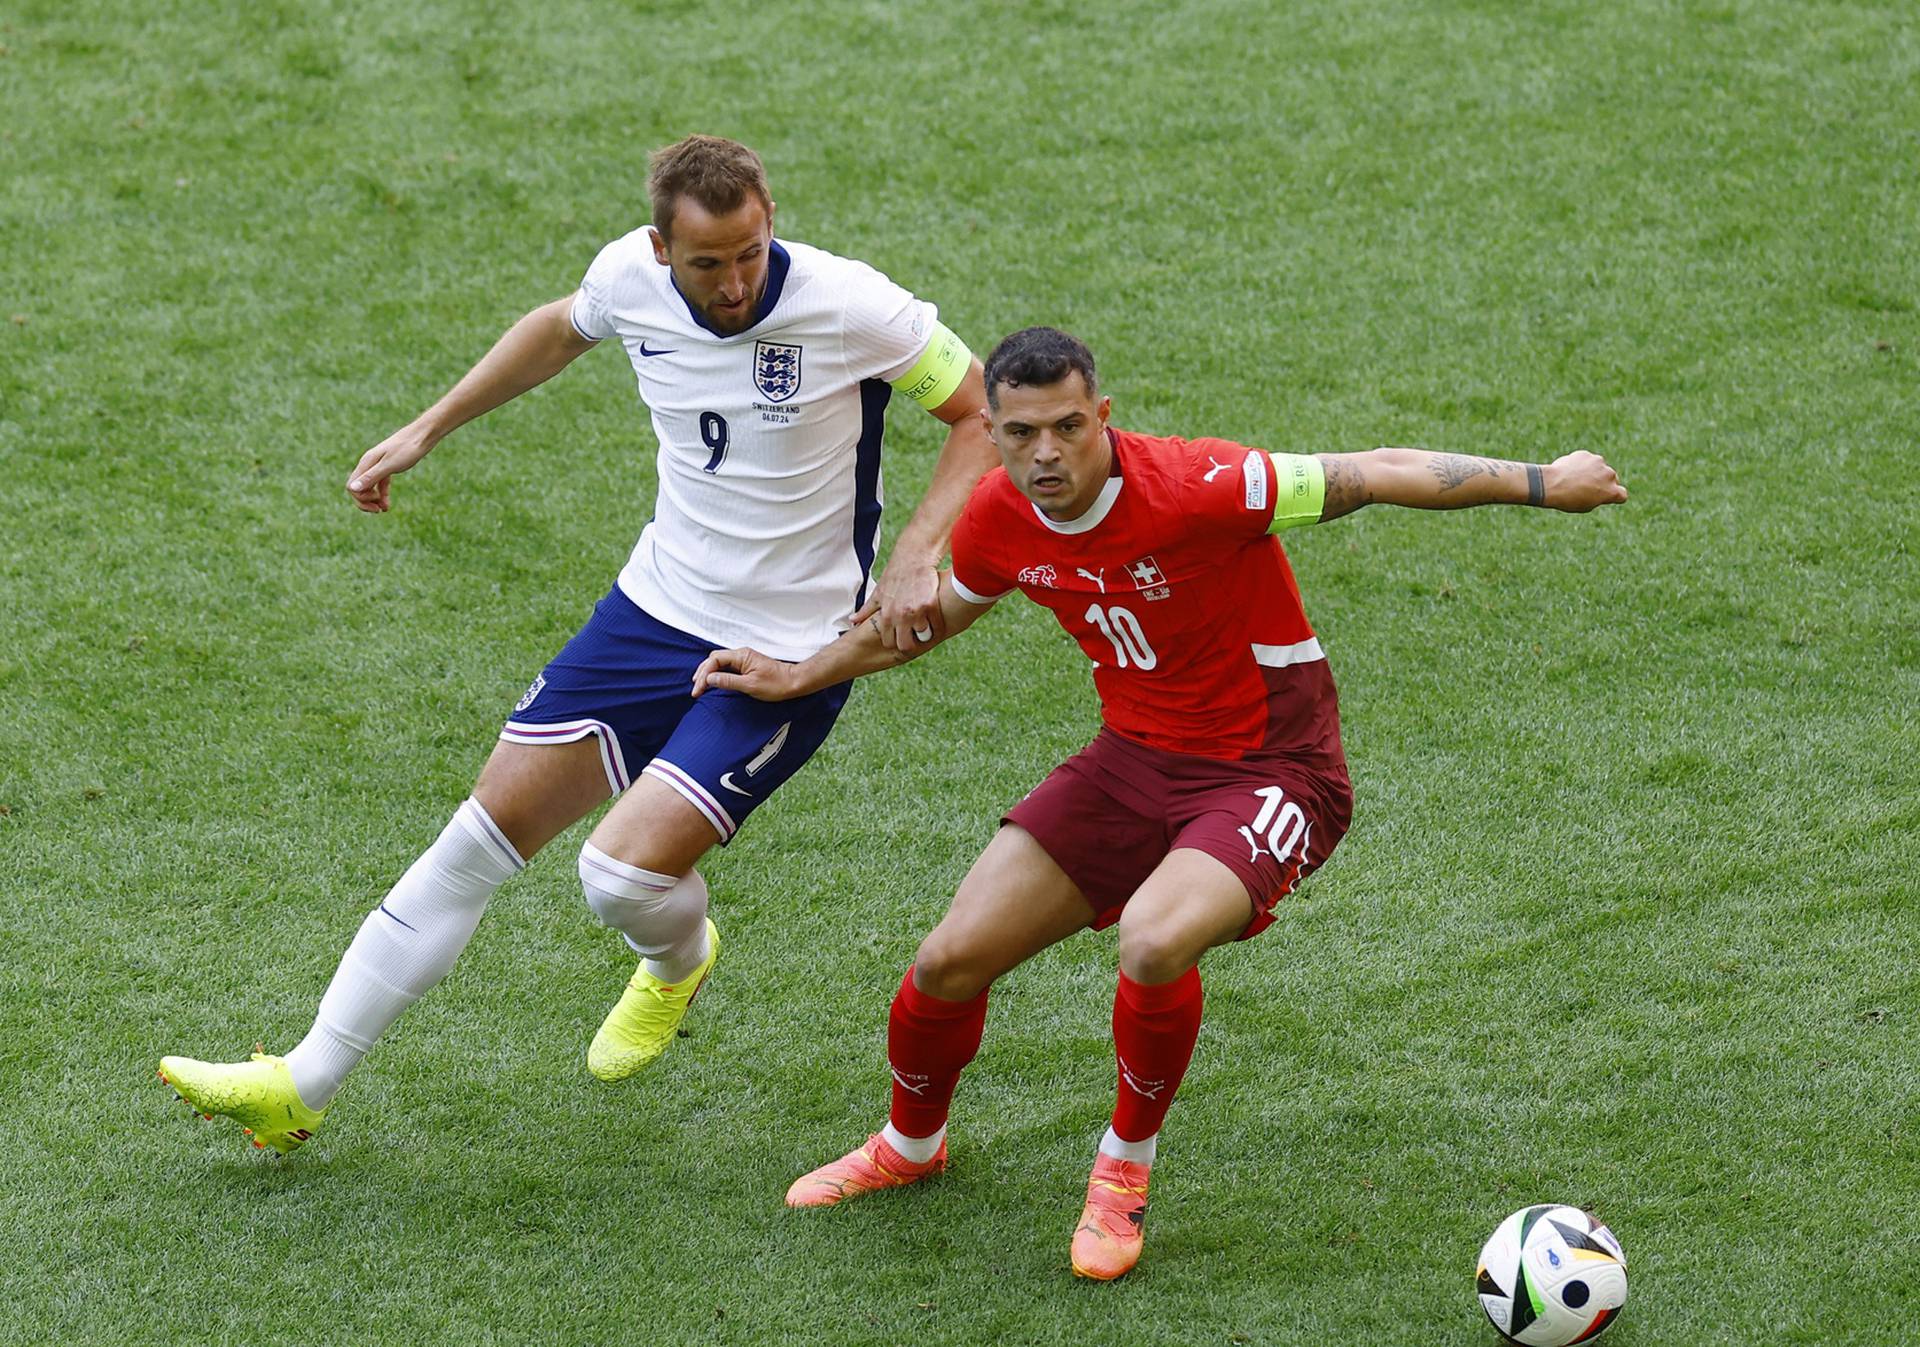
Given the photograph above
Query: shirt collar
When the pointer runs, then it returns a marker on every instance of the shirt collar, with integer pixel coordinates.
(1091, 517)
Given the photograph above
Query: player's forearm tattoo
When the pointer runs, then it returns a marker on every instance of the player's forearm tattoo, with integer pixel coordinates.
(1453, 469)
(1346, 487)
(1536, 485)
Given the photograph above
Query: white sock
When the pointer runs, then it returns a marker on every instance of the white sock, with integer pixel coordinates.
(916, 1150)
(403, 947)
(663, 918)
(1140, 1152)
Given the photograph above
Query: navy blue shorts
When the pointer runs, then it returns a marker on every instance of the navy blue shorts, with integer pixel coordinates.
(628, 678)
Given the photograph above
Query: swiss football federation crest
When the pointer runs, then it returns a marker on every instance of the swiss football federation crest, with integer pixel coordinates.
(1042, 575)
(776, 370)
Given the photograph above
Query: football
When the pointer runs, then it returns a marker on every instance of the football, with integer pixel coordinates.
(1551, 1275)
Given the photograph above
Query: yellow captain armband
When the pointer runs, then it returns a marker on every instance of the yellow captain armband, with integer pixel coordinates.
(939, 370)
(1300, 491)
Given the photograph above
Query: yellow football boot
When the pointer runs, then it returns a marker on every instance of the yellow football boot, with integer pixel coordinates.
(257, 1093)
(641, 1024)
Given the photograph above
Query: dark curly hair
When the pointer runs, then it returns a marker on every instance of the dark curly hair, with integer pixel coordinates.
(1038, 355)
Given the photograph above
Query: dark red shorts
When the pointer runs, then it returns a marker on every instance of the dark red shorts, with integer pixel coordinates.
(1110, 814)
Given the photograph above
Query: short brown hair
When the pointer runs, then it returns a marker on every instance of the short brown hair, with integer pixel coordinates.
(716, 172)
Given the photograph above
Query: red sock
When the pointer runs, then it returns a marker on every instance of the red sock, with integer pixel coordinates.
(1154, 1030)
(929, 1042)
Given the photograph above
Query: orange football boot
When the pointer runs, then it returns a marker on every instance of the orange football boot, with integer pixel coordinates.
(874, 1166)
(1107, 1242)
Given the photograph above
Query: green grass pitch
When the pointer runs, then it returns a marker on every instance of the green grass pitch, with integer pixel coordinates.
(1627, 917)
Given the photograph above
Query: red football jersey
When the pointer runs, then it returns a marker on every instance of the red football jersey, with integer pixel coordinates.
(1176, 591)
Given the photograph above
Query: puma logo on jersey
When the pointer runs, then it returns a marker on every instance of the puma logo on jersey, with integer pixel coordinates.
(1217, 468)
(1097, 579)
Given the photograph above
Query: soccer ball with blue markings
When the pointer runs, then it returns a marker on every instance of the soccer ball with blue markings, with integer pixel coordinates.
(1551, 1275)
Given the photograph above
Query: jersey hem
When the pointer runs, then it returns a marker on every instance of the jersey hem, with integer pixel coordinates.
(658, 605)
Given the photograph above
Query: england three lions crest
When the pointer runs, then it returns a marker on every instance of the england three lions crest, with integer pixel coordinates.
(776, 370)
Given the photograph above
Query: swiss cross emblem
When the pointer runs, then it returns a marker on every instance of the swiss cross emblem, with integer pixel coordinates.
(776, 370)
(1150, 580)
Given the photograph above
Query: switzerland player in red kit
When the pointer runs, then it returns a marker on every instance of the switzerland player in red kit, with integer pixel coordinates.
(1216, 782)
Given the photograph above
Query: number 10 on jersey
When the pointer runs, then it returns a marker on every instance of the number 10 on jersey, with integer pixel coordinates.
(1129, 640)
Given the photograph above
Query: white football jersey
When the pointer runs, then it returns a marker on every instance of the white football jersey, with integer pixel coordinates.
(769, 465)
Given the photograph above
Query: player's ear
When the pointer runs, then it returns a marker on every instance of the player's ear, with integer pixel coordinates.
(1104, 410)
(770, 209)
(659, 245)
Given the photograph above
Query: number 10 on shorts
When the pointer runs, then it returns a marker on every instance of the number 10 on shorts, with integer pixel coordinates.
(1281, 824)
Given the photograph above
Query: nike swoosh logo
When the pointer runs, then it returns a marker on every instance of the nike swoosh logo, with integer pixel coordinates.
(727, 781)
(666, 351)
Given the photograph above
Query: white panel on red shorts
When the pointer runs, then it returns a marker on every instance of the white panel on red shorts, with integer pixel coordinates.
(1169, 592)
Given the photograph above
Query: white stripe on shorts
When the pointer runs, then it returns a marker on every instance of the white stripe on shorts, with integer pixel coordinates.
(716, 814)
(566, 732)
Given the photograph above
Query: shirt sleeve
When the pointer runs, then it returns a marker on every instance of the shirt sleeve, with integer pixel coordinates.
(978, 577)
(1229, 488)
(592, 311)
(887, 329)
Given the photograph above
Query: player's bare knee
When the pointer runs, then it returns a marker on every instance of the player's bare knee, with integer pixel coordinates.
(1154, 949)
(944, 967)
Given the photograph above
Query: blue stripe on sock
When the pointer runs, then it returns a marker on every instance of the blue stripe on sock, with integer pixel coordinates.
(383, 908)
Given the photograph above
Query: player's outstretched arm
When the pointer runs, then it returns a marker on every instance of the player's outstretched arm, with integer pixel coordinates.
(1575, 482)
(863, 650)
(532, 351)
(907, 599)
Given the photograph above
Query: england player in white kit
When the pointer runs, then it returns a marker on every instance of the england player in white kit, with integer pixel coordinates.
(766, 367)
